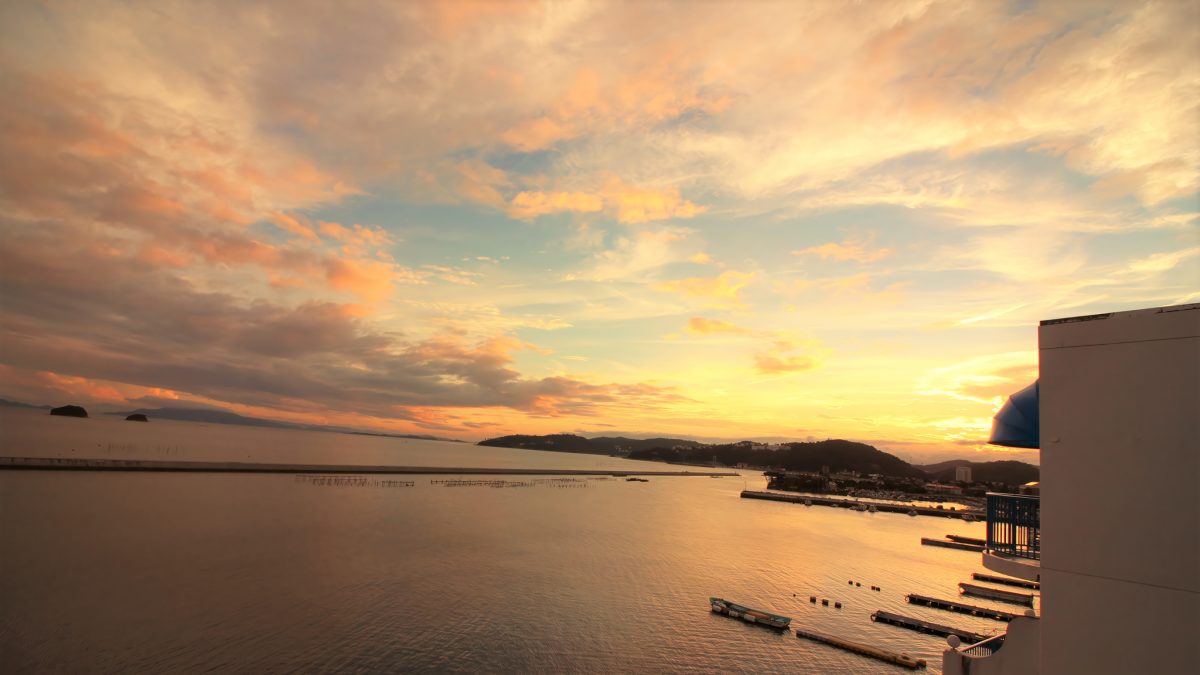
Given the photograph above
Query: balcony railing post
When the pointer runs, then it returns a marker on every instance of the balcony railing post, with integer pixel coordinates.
(1014, 525)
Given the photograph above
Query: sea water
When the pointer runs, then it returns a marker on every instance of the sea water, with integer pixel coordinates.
(194, 572)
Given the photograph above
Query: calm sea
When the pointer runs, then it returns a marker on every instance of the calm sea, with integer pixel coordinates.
(189, 573)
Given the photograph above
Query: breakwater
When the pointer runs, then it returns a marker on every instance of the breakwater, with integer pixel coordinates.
(813, 500)
(74, 464)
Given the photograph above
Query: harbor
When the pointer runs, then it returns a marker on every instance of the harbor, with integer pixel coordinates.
(883, 507)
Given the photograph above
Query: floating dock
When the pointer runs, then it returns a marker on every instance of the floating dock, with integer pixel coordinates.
(951, 544)
(926, 627)
(996, 594)
(73, 464)
(865, 650)
(951, 606)
(1019, 583)
(966, 540)
(851, 503)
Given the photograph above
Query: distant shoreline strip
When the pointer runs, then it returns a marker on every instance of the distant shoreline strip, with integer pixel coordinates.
(74, 464)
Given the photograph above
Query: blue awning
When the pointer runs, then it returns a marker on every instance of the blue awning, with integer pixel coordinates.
(1017, 425)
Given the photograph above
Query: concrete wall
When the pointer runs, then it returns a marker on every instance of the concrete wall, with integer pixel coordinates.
(1120, 474)
(1018, 656)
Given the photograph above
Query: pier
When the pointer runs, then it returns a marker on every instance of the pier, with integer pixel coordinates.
(952, 606)
(865, 650)
(996, 594)
(883, 507)
(945, 543)
(1019, 583)
(73, 464)
(926, 627)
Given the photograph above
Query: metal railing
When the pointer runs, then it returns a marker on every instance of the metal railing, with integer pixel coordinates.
(1013, 525)
(985, 648)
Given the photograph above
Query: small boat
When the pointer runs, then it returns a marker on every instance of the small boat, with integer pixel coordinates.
(808, 502)
(873, 509)
(754, 616)
(637, 480)
(912, 512)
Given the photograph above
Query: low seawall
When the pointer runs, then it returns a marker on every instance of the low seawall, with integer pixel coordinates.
(73, 464)
(850, 503)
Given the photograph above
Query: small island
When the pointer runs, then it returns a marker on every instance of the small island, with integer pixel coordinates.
(69, 411)
(136, 417)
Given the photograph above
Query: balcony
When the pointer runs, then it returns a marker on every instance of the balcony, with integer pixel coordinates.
(1012, 653)
(1014, 540)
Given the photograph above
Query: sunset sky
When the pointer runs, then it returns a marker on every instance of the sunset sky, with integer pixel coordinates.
(713, 220)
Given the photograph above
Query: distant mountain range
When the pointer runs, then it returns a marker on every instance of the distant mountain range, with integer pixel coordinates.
(603, 445)
(17, 404)
(837, 455)
(220, 416)
(212, 416)
(1003, 471)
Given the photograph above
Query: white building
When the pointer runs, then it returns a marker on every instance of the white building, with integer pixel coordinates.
(1118, 398)
(962, 474)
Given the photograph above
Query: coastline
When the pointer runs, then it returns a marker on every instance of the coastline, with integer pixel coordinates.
(74, 464)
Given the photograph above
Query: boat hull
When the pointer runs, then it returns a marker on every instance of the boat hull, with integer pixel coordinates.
(749, 615)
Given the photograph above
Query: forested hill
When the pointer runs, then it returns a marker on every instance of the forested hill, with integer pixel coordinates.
(1007, 471)
(838, 455)
(604, 445)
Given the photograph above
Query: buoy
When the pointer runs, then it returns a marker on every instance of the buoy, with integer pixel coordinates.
(837, 605)
(858, 584)
(850, 582)
(812, 598)
(825, 602)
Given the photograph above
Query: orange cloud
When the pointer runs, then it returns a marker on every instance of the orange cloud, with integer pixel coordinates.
(723, 289)
(293, 225)
(160, 256)
(536, 134)
(775, 365)
(481, 183)
(661, 87)
(702, 326)
(355, 235)
(631, 205)
(529, 205)
(851, 249)
(777, 358)
(641, 205)
(370, 280)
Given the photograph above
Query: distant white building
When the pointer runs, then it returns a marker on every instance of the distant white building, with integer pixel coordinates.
(962, 473)
(1117, 400)
(943, 488)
